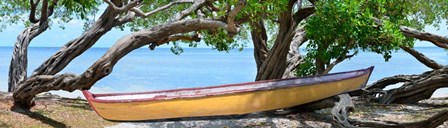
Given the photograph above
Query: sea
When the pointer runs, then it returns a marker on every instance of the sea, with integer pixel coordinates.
(160, 69)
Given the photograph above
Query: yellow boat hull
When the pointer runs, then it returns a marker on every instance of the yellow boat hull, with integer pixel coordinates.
(227, 104)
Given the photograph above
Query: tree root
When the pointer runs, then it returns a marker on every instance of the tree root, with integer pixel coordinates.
(341, 109)
(342, 105)
(414, 89)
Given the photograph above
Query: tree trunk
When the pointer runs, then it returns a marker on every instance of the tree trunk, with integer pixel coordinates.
(76, 47)
(19, 61)
(275, 64)
(294, 57)
(284, 57)
(35, 84)
(259, 39)
(281, 60)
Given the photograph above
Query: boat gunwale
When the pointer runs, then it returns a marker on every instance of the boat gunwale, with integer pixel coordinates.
(92, 97)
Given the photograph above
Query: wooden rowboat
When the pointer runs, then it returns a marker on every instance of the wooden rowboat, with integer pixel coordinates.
(225, 99)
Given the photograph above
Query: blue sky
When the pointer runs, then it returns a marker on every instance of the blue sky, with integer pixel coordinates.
(57, 37)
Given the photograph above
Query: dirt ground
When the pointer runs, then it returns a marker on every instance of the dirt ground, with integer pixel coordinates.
(51, 111)
(56, 111)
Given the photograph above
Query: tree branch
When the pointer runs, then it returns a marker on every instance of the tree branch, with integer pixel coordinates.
(51, 7)
(383, 83)
(195, 37)
(414, 89)
(74, 48)
(344, 56)
(294, 57)
(303, 13)
(44, 12)
(140, 13)
(124, 19)
(299, 4)
(32, 16)
(437, 40)
(211, 7)
(233, 27)
(422, 58)
(313, 1)
(196, 5)
(125, 8)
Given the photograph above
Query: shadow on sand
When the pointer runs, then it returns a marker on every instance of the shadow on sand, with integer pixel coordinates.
(40, 117)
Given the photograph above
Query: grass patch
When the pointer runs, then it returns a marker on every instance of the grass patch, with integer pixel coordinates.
(52, 113)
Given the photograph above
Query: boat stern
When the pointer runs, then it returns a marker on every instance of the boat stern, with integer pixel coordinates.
(369, 72)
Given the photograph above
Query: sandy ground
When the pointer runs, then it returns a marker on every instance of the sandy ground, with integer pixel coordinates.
(55, 111)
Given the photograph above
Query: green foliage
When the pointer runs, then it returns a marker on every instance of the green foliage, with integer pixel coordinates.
(341, 27)
(176, 49)
(218, 39)
(12, 12)
(67, 10)
(306, 68)
(18, 11)
(267, 11)
(156, 19)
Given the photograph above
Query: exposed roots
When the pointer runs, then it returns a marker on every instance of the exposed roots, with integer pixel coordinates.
(341, 109)
(414, 88)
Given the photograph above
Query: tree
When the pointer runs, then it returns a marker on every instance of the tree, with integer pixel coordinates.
(185, 20)
(36, 26)
(415, 87)
(339, 28)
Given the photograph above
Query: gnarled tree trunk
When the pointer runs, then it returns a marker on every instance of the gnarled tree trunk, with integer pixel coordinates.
(19, 60)
(26, 89)
(280, 60)
(104, 66)
(259, 39)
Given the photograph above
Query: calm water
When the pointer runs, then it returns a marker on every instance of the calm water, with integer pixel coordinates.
(144, 70)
